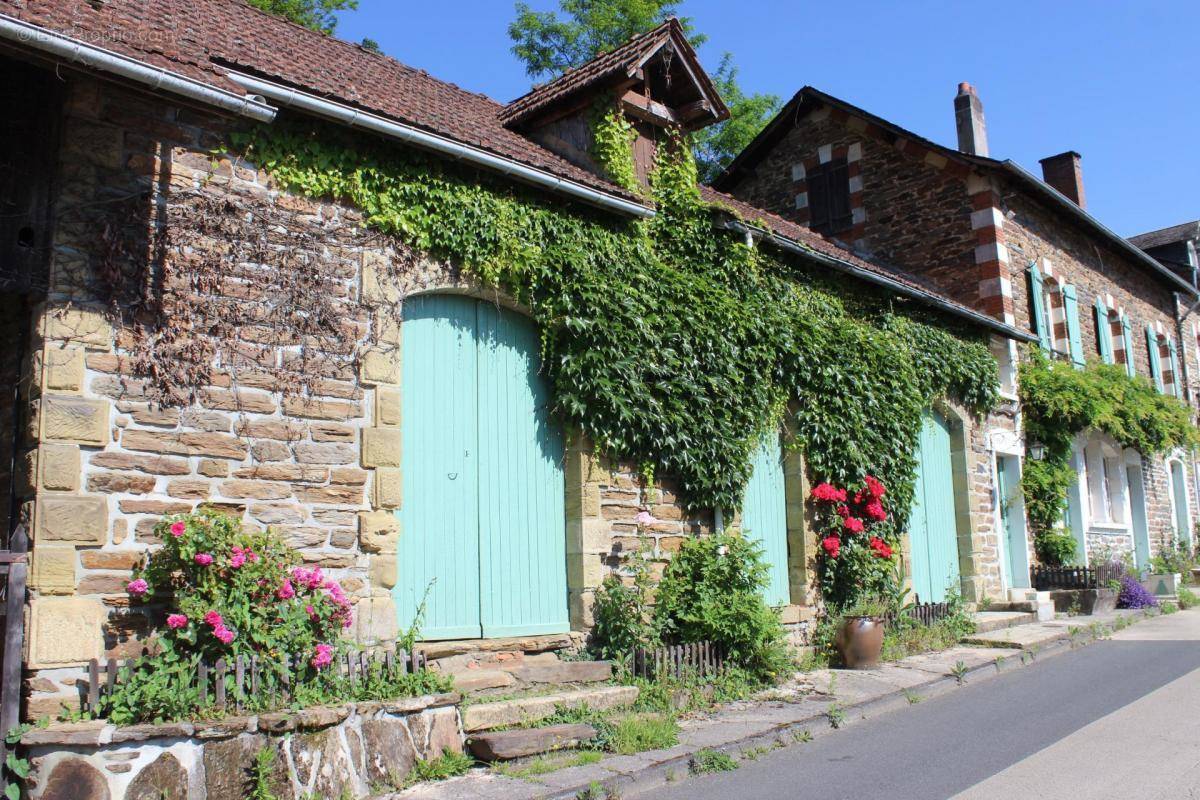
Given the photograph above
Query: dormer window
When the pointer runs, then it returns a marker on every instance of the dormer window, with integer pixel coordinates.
(829, 197)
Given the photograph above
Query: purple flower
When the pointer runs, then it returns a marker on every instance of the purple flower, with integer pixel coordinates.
(1134, 595)
(137, 587)
(203, 559)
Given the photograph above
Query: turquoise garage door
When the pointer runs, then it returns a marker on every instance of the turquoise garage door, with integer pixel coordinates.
(932, 530)
(764, 516)
(483, 516)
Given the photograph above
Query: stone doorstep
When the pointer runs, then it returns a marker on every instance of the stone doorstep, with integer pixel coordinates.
(507, 745)
(523, 711)
(97, 732)
(762, 724)
(562, 672)
(986, 621)
(1039, 634)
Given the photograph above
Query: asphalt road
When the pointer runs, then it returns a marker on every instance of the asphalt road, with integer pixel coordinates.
(1119, 719)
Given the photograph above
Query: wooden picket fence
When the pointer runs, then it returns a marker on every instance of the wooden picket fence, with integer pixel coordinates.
(698, 659)
(229, 684)
(1046, 578)
(923, 613)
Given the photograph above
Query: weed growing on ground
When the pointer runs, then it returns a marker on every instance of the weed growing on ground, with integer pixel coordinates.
(836, 715)
(1187, 598)
(260, 774)
(547, 762)
(912, 697)
(638, 732)
(1169, 608)
(597, 791)
(705, 761)
(753, 753)
(959, 671)
(803, 736)
(447, 765)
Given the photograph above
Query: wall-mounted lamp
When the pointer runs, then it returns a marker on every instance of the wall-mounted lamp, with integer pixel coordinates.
(1037, 451)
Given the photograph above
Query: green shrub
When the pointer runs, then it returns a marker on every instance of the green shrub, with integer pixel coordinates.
(712, 590)
(1054, 547)
(635, 733)
(1187, 598)
(1173, 557)
(622, 614)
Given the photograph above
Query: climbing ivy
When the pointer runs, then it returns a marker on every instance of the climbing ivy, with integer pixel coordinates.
(669, 342)
(1060, 401)
(612, 141)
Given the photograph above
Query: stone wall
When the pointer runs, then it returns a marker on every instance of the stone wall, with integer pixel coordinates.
(355, 750)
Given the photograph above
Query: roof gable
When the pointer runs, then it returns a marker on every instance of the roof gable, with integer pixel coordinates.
(661, 61)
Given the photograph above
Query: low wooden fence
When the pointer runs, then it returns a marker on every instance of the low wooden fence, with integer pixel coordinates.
(1046, 578)
(231, 684)
(698, 659)
(14, 570)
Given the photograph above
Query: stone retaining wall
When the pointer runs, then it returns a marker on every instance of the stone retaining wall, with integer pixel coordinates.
(318, 752)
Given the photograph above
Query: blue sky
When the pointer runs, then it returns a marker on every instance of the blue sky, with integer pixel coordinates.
(1117, 81)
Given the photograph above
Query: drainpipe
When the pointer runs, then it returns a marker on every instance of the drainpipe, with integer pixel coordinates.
(1183, 358)
(354, 118)
(155, 78)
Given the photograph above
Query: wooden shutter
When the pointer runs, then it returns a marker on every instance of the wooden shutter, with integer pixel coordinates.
(1037, 307)
(764, 517)
(1127, 339)
(1071, 312)
(1155, 358)
(840, 215)
(1176, 378)
(1103, 332)
(818, 198)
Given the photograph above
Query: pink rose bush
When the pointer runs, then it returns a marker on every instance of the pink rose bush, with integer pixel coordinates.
(245, 591)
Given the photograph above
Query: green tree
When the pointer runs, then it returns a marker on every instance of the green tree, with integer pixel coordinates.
(549, 45)
(315, 14)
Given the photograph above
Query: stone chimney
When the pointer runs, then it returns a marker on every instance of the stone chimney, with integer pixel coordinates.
(1064, 173)
(968, 118)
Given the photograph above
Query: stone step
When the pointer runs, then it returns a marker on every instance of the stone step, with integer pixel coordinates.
(987, 621)
(475, 680)
(506, 745)
(562, 672)
(526, 710)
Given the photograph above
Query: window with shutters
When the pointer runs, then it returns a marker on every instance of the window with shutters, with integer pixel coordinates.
(829, 197)
(1155, 355)
(1104, 337)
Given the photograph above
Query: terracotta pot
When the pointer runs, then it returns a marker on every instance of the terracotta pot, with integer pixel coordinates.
(860, 642)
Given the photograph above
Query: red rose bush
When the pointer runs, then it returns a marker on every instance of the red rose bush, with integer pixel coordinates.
(856, 558)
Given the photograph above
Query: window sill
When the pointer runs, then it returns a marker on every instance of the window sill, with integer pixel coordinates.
(1109, 527)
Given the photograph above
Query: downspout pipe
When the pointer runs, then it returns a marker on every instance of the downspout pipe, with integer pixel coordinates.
(983, 320)
(89, 56)
(287, 97)
(1180, 317)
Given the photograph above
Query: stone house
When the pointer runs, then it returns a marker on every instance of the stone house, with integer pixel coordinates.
(1019, 248)
(118, 179)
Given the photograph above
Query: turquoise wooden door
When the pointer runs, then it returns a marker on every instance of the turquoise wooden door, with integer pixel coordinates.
(523, 574)
(764, 517)
(933, 531)
(1012, 526)
(482, 521)
(1183, 518)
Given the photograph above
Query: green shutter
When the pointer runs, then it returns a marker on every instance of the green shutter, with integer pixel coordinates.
(1176, 378)
(1103, 332)
(764, 517)
(932, 524)
(1155, 358)
(1071, 311)
(1127, 339)
(1037, 305)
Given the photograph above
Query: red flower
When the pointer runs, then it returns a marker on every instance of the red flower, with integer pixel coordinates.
(828, 493)
(874, 487)
(832, 545)
(853, 524)
(880, 548)
(843, 511)
(874, 511)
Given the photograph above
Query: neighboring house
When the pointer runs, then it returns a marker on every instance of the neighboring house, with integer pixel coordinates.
(129, 102)
(1017, 247)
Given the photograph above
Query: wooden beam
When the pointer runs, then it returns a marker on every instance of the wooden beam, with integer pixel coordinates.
(644, 108)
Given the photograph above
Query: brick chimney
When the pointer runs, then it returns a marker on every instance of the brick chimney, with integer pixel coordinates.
(968, 118)
(1064, 173)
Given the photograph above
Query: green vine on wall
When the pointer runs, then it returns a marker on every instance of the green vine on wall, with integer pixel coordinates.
(1060, 401)
(612, 143)
(669, 342)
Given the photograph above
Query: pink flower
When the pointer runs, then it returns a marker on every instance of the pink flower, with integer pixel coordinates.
(286, 591)
(137, 588)
(324, 656)
(177, 621)
(238, 558)
(177, 529)
(224, 634)
(214, 619)
(645, 518)
(203, 559)
(310, 611)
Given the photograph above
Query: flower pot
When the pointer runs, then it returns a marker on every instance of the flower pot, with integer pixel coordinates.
(860, 642)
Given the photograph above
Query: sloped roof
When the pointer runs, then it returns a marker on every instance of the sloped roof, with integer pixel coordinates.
(204, 39)
(1176, 233)
(809, 97)
(622, 62)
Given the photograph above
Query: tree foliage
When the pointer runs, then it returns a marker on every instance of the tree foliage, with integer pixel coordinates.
(550, 45)
(320, 15)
